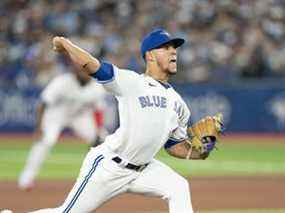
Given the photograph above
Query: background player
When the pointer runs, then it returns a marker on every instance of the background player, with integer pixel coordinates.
(71, 100)
(152, 115)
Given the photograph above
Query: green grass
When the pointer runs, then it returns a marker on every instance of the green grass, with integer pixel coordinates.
(232, 159)
(63, 162)
(235, 159)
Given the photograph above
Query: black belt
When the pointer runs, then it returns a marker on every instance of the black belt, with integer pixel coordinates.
(130, 165)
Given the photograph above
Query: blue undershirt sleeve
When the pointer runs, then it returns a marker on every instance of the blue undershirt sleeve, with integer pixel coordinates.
(104, 74)
(171, 142)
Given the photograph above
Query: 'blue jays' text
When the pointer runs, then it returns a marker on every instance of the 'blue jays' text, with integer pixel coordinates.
(159, 101)
(153, 101)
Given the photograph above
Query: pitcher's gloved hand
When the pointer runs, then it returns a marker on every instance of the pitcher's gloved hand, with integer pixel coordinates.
(205, 133)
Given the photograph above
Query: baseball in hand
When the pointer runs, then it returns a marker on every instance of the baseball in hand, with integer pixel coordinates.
(57, 44)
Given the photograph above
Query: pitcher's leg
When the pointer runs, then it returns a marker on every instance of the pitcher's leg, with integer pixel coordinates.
(96, 184)
(85, 194)
(157, 179)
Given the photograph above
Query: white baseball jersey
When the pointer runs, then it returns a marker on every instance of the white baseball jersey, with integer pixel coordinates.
(65, 97)
(150, 113)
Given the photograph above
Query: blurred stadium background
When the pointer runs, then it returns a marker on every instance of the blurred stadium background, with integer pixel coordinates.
(233, 62)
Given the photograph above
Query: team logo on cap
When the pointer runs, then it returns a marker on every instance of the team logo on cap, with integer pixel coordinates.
(165, 33)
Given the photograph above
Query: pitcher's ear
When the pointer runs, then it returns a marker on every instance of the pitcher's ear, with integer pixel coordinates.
(149, 56)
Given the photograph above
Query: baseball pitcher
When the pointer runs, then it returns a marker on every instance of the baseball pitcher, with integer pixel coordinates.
(152, 115)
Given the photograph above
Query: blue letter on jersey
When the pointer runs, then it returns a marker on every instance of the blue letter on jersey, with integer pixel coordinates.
(153, 101)
(142, 101)
(177, 108)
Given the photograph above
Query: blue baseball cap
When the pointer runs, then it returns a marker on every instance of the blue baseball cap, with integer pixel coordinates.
(156, 38)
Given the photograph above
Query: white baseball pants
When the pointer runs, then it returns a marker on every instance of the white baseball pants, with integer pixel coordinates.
(101, 178)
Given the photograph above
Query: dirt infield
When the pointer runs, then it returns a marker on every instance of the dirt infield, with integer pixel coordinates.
(207, 193)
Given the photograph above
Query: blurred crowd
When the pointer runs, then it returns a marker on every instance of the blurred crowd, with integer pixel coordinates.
(227, 39)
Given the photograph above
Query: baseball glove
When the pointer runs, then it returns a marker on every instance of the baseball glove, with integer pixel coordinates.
(205, 133)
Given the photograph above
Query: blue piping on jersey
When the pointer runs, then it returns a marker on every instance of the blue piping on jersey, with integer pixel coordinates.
(84, 183)
(165, 85)
(171, 142)
(104, 74)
